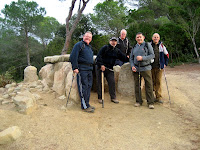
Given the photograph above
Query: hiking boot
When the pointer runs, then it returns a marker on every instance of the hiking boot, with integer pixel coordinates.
(151, 106)
(92, 107)
(114, 101)
(100, 101)
(137, 104)
(158, 101)
(89, 110)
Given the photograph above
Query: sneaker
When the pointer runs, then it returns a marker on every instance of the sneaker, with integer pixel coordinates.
(89, 110)
(92, 107)
(114, 101)
(137, 104)
(151, 106)
(100, 101)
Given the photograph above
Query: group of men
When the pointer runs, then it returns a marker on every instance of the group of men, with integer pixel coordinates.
(147, 60)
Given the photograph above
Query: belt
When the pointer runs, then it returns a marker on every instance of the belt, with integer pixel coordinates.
(90, 65)
(142, 65)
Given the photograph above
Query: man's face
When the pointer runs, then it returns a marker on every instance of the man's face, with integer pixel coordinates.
(113, 43)
(87, 38)
(156, 38)
(140, 38)
(123, 35)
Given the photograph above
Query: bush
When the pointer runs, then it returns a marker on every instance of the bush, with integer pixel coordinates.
(7, 78)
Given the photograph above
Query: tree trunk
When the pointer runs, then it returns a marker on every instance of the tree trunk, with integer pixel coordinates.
(27, 49)
(70, 31)
(195, 49)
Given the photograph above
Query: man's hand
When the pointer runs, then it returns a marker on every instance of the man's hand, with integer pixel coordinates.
(76, 71)
(139, 58)
(134, 69)
(103, 68)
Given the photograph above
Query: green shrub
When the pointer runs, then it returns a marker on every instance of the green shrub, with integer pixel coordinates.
(7, 78)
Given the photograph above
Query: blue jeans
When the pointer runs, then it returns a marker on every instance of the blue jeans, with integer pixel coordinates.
(84, 81)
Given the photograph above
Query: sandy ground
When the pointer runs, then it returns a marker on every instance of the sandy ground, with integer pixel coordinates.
(117, 126)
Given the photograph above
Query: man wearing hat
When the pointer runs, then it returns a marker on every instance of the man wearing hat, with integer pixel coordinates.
(105, 61)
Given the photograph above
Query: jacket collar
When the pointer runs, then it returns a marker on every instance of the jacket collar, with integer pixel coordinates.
(154, 43)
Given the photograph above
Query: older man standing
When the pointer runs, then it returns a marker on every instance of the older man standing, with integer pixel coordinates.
(160, 61)
(124, 46)
(140, 60)
(82, 64)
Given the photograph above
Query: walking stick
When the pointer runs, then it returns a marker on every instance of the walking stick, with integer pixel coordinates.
(167, 86)
(73, 75)
(102, 88)
(139, 76)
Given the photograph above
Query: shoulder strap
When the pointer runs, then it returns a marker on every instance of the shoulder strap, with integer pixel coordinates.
(146, 51)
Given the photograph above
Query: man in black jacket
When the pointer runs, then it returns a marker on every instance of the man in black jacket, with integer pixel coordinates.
(82, 64)
(105, 61)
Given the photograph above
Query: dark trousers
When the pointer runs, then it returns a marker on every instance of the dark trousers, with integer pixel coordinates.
(109, 75)
(84, 81)
(148, 86)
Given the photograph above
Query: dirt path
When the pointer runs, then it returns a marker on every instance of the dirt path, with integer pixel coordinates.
(117, 126)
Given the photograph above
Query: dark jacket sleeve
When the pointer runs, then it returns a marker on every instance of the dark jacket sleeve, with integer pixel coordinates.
(74, 56)
(100, 56)
(121, 56)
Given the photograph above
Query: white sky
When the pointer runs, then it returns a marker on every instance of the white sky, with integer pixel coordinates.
(55, 8)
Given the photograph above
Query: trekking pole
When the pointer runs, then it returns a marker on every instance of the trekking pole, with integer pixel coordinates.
(139, 76)
(73, 75)
(102, 88)
(167, 86)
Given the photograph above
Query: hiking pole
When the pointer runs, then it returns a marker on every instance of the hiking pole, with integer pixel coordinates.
(73, 75)
(139, 76)
(102, 88)
(167, 86)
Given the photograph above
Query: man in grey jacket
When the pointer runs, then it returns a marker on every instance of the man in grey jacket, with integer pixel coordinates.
(140, 60)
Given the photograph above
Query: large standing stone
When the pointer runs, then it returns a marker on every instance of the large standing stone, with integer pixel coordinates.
(61, 71)
(116, 74)
(126, 81)
(9, 135)
(30, 74)
(47, 75)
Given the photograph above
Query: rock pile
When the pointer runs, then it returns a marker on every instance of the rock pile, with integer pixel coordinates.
(22, 95)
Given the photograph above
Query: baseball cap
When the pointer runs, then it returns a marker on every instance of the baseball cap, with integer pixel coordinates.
(113, 38)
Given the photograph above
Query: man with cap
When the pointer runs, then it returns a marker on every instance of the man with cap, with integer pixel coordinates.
(105, 61)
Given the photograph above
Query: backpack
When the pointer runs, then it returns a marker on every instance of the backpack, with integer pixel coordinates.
(146, 53)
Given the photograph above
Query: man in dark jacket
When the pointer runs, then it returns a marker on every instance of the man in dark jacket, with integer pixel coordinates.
(140, 60)
(105, 61)
(124, 46)
(82, 64)
(160, 61)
